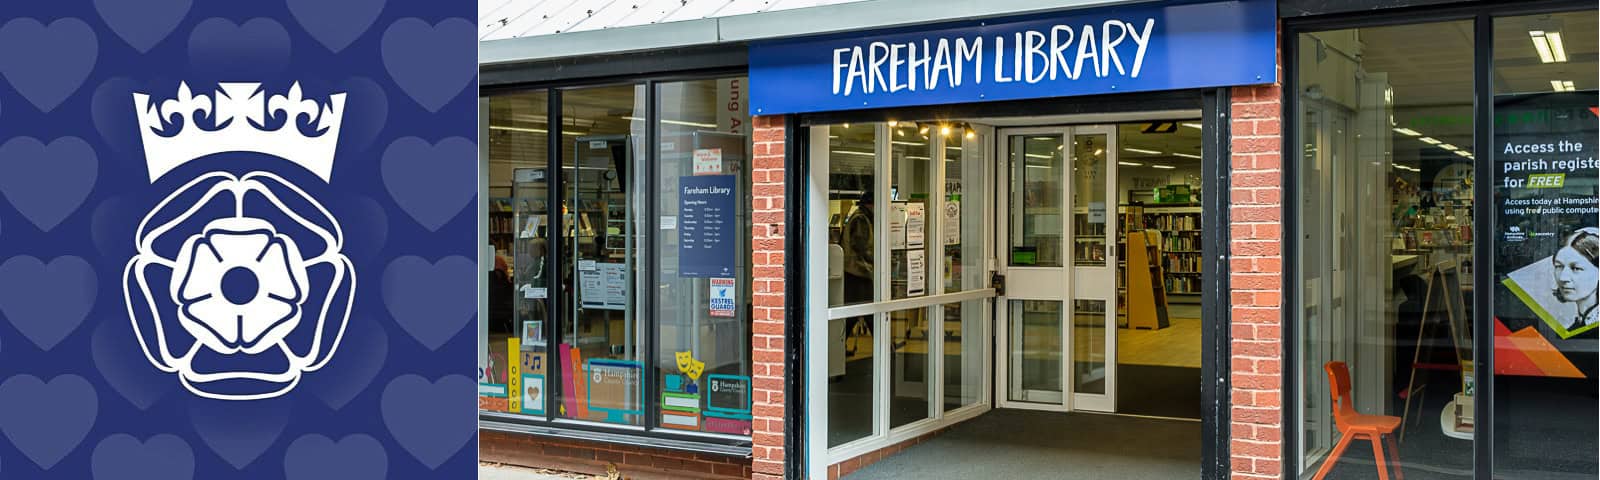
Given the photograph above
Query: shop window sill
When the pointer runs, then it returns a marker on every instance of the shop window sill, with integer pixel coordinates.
(505, 423)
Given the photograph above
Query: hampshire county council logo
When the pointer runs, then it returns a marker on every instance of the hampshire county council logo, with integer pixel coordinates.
(244, 264)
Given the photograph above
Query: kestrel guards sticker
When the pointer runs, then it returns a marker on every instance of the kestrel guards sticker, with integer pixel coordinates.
(722, 297)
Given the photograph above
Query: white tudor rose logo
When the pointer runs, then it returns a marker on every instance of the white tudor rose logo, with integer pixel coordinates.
(239, 285)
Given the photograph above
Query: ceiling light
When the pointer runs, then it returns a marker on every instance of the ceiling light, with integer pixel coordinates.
(1163, 167)
(1408, 132)
(1185, 155)
(1036, 155)
(1195, 126)
(533, 130)
(1556, 47)
(847, 125)
(1429, 141)
(971, 134)
(853, 152)
(1447, 146)
(1463, 153)
(676, 122)
(1140, 150)
(893, 123)
(1549, 46)
(1563, 85)
(912, 144)
(944, 129)
(1099, 151)
(923, 131)
(1130, 164)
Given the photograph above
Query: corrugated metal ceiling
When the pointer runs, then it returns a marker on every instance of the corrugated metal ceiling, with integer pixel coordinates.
(503, 19)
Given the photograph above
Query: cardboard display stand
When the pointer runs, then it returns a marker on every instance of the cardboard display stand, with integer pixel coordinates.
(1147, 296)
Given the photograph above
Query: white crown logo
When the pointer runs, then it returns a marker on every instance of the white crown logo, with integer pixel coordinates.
(240, 119)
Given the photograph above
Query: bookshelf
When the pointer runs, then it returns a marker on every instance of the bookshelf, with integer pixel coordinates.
(1180, 258)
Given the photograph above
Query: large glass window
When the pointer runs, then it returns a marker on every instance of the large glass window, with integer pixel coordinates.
(703, 286)
(1384, 223)
(518, 286)
(1546, 244)
(622, 251)
(601, 223)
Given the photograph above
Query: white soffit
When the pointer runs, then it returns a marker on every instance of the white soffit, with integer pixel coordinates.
(532, 30)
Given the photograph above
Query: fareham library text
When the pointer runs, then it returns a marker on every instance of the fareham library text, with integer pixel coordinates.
(1113, 47)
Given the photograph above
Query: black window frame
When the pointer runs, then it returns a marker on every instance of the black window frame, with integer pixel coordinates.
(1373, 13)
(650, 433)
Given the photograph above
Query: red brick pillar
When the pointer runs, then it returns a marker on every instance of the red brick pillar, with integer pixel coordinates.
(1256, 282)
(767, 234)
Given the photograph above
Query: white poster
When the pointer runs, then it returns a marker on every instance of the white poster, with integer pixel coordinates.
(951, 223)
(1097, 212)
(916, 220)
(708, 161)
(897, 226)
(916, 273)
(604, 287)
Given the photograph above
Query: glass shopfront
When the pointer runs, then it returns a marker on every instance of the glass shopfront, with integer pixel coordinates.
(619, 292)
(1443, 245)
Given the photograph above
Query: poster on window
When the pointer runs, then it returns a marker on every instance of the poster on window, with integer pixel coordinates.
(1545, 267)
(722, 293)
(916, 225)
(706, 226)
(951, 223)
(916, 273)
(604, 287)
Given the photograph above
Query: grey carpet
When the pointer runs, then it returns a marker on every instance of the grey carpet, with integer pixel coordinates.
(1007, 444)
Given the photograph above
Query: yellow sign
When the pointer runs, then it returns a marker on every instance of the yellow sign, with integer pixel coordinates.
(514, 379)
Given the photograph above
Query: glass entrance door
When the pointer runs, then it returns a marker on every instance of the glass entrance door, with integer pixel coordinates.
(1057, 317)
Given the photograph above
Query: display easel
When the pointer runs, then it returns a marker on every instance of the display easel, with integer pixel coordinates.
(1443, 297)
(1147, 296)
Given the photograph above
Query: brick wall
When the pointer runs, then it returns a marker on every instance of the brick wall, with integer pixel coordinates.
(1256, 283)
(767, 234)
(595, 458)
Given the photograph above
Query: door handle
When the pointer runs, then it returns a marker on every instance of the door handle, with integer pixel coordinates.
(998, 283)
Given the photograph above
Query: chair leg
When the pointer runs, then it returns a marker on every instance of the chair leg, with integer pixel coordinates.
(1333, 457)
(1394, 455)
(1377, 452)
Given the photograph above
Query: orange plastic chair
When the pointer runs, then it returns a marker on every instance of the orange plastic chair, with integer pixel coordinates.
(1378, 429)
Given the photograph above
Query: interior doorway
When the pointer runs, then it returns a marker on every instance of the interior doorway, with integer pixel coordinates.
(1098, 229)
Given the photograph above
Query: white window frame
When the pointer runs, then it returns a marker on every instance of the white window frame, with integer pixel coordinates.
(819, 456)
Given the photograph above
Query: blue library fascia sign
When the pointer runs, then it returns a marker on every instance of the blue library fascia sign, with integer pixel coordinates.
(1133, 48)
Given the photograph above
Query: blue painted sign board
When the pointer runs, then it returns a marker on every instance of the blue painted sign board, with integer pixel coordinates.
(706, 237)
(1134, 48)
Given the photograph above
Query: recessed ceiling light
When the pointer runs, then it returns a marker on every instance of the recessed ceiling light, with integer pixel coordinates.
(1463, 153)
(1408, 132)
(1195, 126)
(1130, 164)
(1140, 150)
(1429, 140)
(1163, 167)
(1185, 155)
(1447, 146)
(1563, 85)
(1549, 46)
